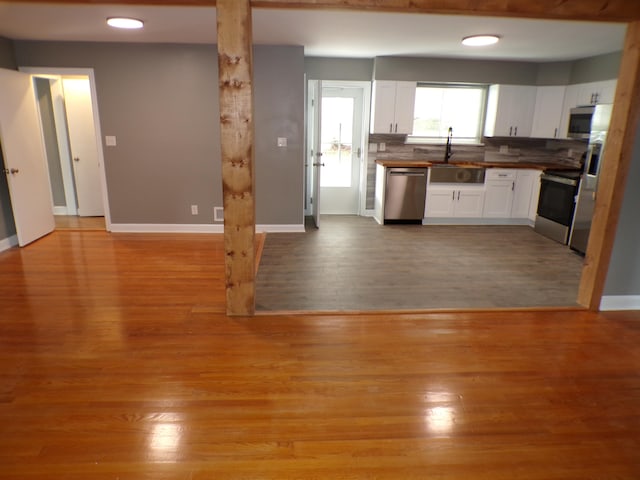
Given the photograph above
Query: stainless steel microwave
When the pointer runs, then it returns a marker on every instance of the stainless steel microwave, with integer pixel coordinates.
(580, 122)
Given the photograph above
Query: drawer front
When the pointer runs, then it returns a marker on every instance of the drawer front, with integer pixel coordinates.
(501, 174)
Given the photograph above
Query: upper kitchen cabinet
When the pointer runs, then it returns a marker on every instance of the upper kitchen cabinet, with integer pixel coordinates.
(547, 115)
(510, 110)
(582, 94)
(392, 106)
(596, 92)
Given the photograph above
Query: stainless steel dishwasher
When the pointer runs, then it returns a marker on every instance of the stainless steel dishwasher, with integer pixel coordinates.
(406, 188)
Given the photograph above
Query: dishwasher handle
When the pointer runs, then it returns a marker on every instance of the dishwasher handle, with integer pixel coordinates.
(407, 174)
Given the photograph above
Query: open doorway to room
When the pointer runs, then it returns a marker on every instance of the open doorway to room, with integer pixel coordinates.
(337, 113)
(70, 129)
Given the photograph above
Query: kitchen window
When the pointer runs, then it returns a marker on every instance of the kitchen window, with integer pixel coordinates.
(440, 106)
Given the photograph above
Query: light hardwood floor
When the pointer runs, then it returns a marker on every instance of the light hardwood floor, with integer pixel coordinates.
(352, 263)
(117, 362)
(75, 222)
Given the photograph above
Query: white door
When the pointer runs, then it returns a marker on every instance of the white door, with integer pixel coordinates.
(341, 137)
(314, 156)
(24, 157)
(84, 151)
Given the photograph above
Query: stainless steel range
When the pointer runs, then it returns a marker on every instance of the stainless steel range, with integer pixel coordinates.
(556, 204)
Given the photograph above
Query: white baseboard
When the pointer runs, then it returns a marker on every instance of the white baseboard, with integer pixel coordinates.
(166, 228)
(620, 302)
(7, 243)
(195, 228)
(280, 228)
(60, 210)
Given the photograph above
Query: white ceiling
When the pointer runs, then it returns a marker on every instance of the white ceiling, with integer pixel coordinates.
(323, 33)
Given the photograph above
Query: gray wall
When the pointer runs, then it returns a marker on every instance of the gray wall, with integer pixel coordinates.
(7, 57)
(601, 67)
(594, 69)
(624, 270)
(342, 69)
(455, 70)
(161, 104)
(554, 73)
(45, 103)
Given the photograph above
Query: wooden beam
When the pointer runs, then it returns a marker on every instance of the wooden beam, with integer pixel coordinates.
(613, 173)
(596, 10)
(235, 71)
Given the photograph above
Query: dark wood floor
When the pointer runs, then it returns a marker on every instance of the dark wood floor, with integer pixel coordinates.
(118, 362)
(352, 263)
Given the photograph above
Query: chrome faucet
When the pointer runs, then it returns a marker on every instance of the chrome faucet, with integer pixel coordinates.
(447, 151)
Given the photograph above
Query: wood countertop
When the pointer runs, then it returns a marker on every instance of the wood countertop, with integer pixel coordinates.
(435, 163)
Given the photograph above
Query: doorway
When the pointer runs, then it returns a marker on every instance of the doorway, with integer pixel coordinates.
(71, 134)
(337, 113)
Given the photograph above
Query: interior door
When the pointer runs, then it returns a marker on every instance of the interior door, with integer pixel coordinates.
(82, 138)
(315, 154)
(341, 138)
(24, 157)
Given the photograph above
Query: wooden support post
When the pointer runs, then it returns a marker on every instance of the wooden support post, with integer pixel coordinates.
(613, 173)
(235, 71)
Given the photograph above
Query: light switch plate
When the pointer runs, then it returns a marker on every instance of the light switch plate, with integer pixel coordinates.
(110, 140)
(282, 141)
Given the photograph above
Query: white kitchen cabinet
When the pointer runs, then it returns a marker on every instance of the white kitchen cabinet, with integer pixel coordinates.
(547, 115)
(392, 107)
(454, 201)
(510, 110)
(522, 193)
(593, 93)
(499, 188)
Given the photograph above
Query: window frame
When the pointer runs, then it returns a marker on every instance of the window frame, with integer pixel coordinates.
(482, 114)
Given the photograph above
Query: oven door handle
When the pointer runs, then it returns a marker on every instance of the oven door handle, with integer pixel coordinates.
(554, 178)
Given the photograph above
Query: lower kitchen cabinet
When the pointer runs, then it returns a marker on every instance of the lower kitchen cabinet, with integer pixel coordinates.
(523, 193)
(510, 193)
(500, 186)
(454, 201)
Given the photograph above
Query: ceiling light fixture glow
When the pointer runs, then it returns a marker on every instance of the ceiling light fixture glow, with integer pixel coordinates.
(480, 40)
(123, 22)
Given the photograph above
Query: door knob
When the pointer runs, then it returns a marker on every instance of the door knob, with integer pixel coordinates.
(13, 171)
(318, 164)
(76, 159)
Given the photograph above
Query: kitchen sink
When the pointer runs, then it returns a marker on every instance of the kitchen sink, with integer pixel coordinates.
(447, 173)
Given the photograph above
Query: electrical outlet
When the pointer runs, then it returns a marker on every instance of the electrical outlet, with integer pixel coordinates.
(194, 209)
(218, 214)
(382, 147)
(282, 141)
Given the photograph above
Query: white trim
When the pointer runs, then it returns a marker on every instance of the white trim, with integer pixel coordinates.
(196, 228)
(9, 242)
(166, 228)
(620, 302)
(280, 228)
(43, 71)
(61, 211)
(369, 213)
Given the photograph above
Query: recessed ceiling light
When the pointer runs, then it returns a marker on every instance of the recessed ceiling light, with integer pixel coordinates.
(480, 40)
(123, 22)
